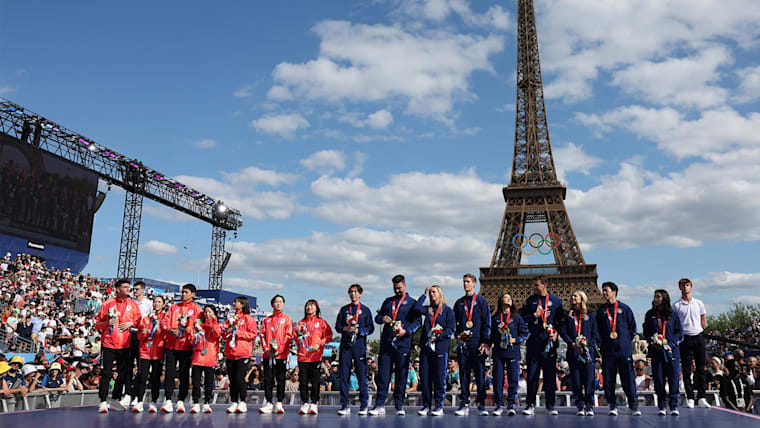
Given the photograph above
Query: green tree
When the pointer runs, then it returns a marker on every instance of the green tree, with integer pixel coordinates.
(738, 316)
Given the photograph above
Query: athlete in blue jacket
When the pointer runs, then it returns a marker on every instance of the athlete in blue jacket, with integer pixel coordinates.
(617, 328)
(666, 356)
(354, 324)
(581, 324)
(437, 330)
(395, 345)
(506, 352)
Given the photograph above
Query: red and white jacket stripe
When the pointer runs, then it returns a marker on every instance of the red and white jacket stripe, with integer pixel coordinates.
(126, 310)
(279, 327)
(172, 321)
(156, 350)
(318, 332)
(244, 337)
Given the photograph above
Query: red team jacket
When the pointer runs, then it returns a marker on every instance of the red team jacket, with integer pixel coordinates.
(319, 332)
(126, 310)
(246, 333)
(277, 326)
(156, 350)
(212, 330)
(171, 320)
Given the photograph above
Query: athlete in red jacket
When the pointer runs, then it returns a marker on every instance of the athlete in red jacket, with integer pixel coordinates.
(276, 335)
(115, 319)
(205, 335)
(312, 332)
(180, 318)
(239, 333)
(151, 337)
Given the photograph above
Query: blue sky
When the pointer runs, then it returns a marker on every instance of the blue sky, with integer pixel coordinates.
(365, 139)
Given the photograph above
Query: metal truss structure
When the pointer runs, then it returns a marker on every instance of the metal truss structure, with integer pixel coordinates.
(138, 180)
(534, 194)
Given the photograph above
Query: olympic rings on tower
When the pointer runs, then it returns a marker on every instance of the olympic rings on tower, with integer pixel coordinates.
(552, 241)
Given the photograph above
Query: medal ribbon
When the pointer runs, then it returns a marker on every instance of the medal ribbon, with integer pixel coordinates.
(359, 310)
(472, 306)
(501, 317)
(397, 307)
(434, 316)
(578, 323)
(613, 323)
(544, 312)
(660, 323)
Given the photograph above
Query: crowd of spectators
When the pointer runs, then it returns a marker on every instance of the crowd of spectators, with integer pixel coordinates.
(52, 311)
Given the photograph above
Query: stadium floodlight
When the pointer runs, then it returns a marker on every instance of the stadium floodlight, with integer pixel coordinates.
(221, 208)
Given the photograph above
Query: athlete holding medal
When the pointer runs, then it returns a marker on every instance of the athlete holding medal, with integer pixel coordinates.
(617, 328)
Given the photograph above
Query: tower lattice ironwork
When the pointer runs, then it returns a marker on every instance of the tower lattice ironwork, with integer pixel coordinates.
(534, 195)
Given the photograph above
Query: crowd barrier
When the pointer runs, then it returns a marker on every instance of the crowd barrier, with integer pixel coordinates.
(47, 400)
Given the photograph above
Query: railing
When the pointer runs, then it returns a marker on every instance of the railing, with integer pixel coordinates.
(47, 400)
(24, 345)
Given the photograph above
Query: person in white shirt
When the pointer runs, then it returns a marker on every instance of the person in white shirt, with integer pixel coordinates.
(693, 316)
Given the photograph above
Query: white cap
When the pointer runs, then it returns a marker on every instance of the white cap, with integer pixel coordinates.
(28, 368)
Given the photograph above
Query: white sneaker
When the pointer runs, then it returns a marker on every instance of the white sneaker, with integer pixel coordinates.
(400, 412)
(498, 411)
(362, 410)
(636, 412)
(195, 409)
(590, 412)
(103, 407)
(345, 410)
(662, 412)
(462, 411)
(242, 407)
(180, 406)
(690, 403)
(581, 412)
(206, 408)
(135, 401)
(511, 412)
(703, 403)
(377, 411)
(266, 408)
(125, 401)
(304, 409)
(278, 408)
(137, 407)
(438, 411)
(423, 411)
(152, 408)
(613, 412)
(553, 412)
(675, 412)
(232, 408)
(313, 410)
(529, 410)
(167, 407)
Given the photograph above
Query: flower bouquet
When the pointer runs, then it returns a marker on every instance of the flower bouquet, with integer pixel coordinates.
(506, 336)
(112, 314)
(435, 333)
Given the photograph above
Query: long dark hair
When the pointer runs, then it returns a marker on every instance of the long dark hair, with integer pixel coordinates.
(213, 309)
(246, 304)
(500, 305)
(318, 313)
(667, 309)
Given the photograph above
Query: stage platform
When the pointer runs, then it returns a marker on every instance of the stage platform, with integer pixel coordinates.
(87, 416)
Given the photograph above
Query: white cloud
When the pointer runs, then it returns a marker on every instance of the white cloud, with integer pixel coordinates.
(164, 212)
(579, 39)
(206, 144)
(376, 62)
(158, 247)
(5, 90)
(439, 10)
(284, 125)
(245, 91)
(250, 284)
(380, 119)
(714, 131)
(424, 203)
(280, 93)
(325, 161)
(360, 159)
(688, 82)
(253, 176)
(749, 88)
(572, 158)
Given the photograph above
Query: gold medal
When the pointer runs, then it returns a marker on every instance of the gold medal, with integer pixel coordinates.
(545, 325)
(613, 335)
(468, 324)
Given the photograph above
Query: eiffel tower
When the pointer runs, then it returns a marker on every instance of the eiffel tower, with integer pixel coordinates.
(534, 195)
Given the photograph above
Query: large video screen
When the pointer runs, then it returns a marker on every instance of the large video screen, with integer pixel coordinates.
(44, 198)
